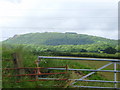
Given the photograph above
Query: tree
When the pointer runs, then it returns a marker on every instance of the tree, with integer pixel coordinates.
(83, 50)
(117, 48)
(110, 50)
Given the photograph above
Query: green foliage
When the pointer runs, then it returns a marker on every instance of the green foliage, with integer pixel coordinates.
(93, 50)
(83, 50)
(88, 54)
(117, 48)
(40, 43)
(58, 39)
(96, 77)
(29, 54)
(110, 50)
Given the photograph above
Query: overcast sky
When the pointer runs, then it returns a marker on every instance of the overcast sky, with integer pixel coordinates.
(93, 17)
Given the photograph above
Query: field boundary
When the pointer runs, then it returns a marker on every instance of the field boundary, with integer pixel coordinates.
(93, 71)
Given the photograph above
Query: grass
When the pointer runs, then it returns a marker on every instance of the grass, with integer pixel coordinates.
(28, 60)
(96, 84)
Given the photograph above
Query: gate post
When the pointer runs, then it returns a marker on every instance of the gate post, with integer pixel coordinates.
(115, 75)
(38, 69)
(17, 62)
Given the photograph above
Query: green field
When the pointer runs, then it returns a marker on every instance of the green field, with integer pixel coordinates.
(27, 59)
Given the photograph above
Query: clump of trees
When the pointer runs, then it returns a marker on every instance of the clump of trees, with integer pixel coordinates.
(110, 50)
(89, 50)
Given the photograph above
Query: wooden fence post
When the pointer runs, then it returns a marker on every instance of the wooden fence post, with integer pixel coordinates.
(17, 61)
(38, 69)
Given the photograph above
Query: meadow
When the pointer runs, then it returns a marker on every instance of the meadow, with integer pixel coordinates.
(28, 55)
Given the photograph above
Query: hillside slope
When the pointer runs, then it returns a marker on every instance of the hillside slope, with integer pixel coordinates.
(52, 38)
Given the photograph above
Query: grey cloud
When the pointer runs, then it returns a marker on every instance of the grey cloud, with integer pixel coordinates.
(99, 18)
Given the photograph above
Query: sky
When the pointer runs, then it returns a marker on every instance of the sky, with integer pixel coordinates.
(92, 17)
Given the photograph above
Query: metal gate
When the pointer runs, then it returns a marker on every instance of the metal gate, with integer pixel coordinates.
(93, 71)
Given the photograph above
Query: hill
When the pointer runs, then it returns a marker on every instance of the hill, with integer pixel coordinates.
(53, 38)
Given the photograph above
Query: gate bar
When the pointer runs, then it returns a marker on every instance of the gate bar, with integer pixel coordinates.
(39, 79)
(93, 72)
(85, 70)
(71, 58)
(83, 80)
(32, 68)
(35, 74)
(95, 87)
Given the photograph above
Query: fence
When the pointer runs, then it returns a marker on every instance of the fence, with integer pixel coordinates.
(93, 71)
(37, 72)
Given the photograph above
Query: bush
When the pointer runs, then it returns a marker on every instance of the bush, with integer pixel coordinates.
(110, 50)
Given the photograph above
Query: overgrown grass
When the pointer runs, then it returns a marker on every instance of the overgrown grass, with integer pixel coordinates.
(28, 60)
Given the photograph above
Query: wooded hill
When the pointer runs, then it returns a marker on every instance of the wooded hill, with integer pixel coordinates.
(54, 38)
